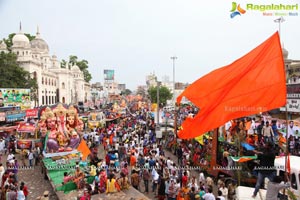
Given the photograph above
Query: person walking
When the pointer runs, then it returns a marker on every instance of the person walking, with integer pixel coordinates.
(146, 178)
(161, 189)
(266, 158)
(30, 158)
(135, 179)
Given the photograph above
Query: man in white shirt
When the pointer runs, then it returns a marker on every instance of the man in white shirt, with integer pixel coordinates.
(2, 145)
(227, 129)
(169, 163)
(116, 146)
(11, 158)
(155, 177)
(30, 158)
(209, 195)
(97, 139)
(291, 129)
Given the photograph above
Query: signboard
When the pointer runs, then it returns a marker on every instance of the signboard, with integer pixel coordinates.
(24, 144)
(2, 116)
(26, 127)
(109, 74)
(293, 91)
(15, 115)
(32, 113)
(15, 97)
(293, 98)
(293, 105)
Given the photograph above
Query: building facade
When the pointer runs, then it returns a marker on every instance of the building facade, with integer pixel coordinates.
(293, 84)
(55, 84)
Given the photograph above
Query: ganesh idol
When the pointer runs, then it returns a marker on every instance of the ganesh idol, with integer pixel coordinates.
(61, 127)
(73, 126)
(51, 131)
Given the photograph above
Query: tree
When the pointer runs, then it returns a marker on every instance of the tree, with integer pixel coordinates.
(14, 76)
(9, 42)
(63, 63)
(164, 95)
(126, 92)
(83, 66)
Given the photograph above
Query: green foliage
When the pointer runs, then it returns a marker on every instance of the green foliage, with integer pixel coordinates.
(12, 75)
(83, 66)
(30, 37)
(291, 195)
(63, 63)
(127, 92)
(164, 95)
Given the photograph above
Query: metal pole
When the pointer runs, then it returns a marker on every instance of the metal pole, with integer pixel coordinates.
(157, 103)
(279, 21)
(174, 58)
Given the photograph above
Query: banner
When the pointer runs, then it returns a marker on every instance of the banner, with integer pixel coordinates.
(32, 113)
(26, 128)
(109, 74)
(15, 115)
(15, 97)
(24, 144)
(2, 116)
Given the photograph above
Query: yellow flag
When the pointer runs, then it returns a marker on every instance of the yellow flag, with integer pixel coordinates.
(200, 139)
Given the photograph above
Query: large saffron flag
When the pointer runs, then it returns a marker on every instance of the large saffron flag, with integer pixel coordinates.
(254, 83)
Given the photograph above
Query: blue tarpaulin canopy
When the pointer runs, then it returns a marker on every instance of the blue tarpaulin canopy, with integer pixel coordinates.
(248, 146)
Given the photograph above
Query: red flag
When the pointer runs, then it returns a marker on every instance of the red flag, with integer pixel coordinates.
(84, 149)
(252, 84)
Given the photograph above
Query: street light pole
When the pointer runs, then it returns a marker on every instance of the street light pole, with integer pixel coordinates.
(279, 21)
(173, 58)
(174, 103)
(157, 93)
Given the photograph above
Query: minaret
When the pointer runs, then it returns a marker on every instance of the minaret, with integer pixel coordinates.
(38, 32)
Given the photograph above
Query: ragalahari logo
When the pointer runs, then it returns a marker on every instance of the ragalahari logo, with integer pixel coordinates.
(236, 10)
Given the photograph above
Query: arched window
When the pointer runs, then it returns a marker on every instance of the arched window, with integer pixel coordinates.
(42, 80)
(63, 85)
(35, 75)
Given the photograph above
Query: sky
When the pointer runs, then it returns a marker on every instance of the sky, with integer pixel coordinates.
(138, 37)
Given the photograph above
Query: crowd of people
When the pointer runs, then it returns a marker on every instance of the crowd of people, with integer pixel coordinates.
(11, 187)
(136, 158)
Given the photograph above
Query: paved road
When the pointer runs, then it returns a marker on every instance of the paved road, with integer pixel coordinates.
(34, 180)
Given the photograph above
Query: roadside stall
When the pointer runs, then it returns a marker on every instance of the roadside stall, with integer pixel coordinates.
(27, 136)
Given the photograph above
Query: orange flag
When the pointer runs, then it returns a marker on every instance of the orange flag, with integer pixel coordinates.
(252, 84)
(84, 149)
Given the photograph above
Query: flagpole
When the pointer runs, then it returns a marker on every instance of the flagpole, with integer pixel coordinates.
(286, 139)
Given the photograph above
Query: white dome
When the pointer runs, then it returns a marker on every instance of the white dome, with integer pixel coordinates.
(3, 45)
(285, 53)
(38, 44)
(75, 68)
(20, 40)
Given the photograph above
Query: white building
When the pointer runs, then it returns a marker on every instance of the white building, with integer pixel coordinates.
(55, 84)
